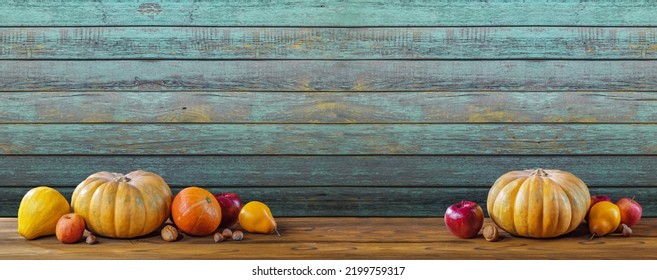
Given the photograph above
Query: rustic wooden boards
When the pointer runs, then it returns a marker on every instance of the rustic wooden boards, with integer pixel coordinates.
(329, 13)
(344, 107)
(329, 139)
(328, 43)
(345, 238)
(329, 75)
(365, 99)
(332, 170)
(332, 201)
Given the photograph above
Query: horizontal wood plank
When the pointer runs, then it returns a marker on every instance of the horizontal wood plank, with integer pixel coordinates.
(328, 107)
(328, 43)
(328, 139)
(407, 171)
(345, 239)
(327, 13)
(322, 75)
(355, 201)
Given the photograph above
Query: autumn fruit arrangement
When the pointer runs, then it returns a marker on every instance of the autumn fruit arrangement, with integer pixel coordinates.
(197, 212)
(606, 217)
(542, 204)
(139, 203)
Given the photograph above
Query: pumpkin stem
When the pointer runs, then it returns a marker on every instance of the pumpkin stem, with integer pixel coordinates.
(540, 172)
(123, 179)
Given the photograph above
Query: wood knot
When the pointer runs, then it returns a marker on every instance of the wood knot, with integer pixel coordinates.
(149, 9)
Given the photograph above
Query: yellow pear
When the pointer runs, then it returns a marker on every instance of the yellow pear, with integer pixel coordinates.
(255, 217)
(39, 211)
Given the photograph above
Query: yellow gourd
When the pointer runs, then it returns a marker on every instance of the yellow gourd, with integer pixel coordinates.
(538, 203)
(604, 218)
(255, 217)
(123, 206)
(39, 211)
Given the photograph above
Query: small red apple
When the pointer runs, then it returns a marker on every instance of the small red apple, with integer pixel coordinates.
(70, 228)
(595, 199)
(630, 211)
(231, 204)
(464, 219)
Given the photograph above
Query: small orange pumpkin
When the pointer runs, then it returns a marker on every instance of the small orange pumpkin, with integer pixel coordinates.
(195, 211)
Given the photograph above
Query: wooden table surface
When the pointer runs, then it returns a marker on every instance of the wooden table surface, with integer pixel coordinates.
(343, 238)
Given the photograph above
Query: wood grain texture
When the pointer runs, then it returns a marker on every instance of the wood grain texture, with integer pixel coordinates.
(328, 107)
(343, 106)
(336, 201)
(304, 171)
(345, 238)
(327, 13)
(314, 75)
(328, 43)
(328, 139)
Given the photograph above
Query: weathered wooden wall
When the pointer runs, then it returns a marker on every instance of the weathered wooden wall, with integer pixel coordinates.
(330, 108)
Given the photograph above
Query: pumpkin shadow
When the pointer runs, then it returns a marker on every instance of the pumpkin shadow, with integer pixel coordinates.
(581, 232)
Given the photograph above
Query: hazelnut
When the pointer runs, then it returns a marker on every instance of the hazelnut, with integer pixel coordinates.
(218, 237)
(238, 235)
(91, 239)
(627, 231)
(169, 233)
(227, 233)
(491, 233)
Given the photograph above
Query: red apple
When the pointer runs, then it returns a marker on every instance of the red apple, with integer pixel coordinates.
(70, 228)
(231, 204)
(630, 211)
(595, 199)
(464, 219)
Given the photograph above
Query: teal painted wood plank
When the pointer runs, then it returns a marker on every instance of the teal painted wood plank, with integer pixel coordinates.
(305, 171)
(328, 139)
(328, 43)
(328, 107)
(355, 201)
(328, 13)
(322, 75)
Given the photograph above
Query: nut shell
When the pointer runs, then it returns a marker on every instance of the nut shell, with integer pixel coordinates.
(491, 233)
(218, 237)
(227, 233)
(91, 239)
(238, 235)
(169, 233)
(627, 231)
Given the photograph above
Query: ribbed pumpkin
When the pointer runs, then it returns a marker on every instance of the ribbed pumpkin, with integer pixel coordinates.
(538, 203)
(123, 206)
(196, 211)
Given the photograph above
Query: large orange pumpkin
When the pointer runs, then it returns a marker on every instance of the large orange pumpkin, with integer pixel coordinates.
(538, 203)
(123, 206)
(195, 211)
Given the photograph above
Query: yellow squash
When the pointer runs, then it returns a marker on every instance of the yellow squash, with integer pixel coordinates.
(538, 203)
(39, 211)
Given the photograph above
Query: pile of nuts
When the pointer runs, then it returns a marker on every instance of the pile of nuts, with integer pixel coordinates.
(236, 235)
(170, 233)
